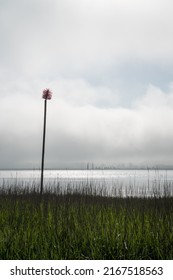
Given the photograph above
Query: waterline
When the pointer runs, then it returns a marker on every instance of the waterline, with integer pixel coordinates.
(116, 182)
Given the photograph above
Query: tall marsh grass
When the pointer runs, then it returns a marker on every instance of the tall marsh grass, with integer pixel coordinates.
(84, 223)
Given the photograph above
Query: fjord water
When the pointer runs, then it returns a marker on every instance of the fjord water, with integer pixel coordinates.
(128, 181)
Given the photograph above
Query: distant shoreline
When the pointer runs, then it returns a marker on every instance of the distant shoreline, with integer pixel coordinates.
(99, 168)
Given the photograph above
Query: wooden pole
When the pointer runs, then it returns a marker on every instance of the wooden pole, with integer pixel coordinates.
(43, 146)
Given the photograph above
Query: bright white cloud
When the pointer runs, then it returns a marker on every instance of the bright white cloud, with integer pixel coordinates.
(78, 132)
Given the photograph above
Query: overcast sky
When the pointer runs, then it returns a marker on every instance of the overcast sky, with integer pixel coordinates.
(109, 64)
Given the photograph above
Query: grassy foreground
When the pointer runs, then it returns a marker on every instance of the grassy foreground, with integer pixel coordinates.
(83, 226)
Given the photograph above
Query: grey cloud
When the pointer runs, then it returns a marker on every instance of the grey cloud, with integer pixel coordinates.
(99, 58)
(58, 36)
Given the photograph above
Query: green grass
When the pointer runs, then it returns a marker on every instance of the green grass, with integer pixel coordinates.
(81, 225)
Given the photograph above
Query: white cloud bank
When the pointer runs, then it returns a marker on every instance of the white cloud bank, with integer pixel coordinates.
(79, 132)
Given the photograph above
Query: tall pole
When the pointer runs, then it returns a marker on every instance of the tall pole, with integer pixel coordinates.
(43, 145)
(47, 94)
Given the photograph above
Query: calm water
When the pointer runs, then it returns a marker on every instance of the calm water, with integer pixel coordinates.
(127, 180)
(123, 176)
